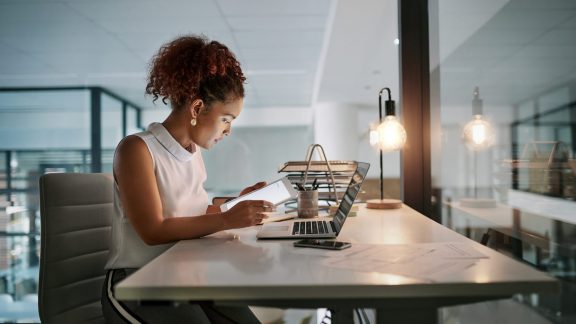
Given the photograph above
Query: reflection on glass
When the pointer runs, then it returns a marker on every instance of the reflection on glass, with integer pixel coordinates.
(478, 133)
(522, 55)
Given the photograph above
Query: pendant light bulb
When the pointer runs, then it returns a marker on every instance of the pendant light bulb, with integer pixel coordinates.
(478, 134)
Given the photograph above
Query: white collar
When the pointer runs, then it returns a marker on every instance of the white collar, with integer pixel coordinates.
(171, 145)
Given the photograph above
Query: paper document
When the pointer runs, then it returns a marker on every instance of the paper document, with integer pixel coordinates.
(425, 261)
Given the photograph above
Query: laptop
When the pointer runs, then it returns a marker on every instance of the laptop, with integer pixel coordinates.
(318, 228)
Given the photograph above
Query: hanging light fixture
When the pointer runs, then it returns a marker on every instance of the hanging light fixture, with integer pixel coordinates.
(388, 136)
(478, 133)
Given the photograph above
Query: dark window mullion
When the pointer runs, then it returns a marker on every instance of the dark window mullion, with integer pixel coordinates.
(96, 129)
(415, 101)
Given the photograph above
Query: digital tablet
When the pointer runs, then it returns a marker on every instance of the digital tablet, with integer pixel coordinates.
(276, 192)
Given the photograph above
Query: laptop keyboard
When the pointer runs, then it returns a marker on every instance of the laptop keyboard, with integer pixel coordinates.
(312, 227)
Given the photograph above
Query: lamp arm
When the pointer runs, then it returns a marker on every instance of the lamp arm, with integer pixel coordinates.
(380, 120)
(380, 100)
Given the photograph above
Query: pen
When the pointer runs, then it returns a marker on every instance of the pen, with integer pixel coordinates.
(314, 184)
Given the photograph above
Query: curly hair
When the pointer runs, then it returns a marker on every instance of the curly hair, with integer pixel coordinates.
(192, 67)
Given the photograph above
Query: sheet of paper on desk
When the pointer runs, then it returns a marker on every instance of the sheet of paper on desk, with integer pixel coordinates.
(456, 251)
(395, 253)
(348, 253)
(425, 261)
(426, 268)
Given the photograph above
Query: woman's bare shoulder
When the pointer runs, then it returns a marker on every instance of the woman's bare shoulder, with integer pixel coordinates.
(131, 144)
(132, 149)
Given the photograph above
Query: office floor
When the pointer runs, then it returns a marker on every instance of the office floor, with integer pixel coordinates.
(503, 311)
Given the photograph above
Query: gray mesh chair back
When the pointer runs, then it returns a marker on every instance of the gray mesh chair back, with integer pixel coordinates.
(76, 214)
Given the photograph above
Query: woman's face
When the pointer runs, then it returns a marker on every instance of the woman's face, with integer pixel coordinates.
(212, 126)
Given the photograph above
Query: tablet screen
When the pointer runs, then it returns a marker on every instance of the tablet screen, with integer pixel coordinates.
(276, 192)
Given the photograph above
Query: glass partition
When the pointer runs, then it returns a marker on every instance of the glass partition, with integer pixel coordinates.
(503, 83)
(133, 124)
(112, 126)
(45, 119)
(44, 131)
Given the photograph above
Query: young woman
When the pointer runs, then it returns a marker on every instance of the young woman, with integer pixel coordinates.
(159, 176)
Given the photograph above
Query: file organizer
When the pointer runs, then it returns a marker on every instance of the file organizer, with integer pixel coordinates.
(331, 176)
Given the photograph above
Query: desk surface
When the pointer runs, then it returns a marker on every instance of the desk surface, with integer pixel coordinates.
(235, 266)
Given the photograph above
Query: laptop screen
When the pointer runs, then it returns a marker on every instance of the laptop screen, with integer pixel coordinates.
(350, 194)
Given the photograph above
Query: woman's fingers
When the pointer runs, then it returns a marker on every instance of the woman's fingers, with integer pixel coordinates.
(262, 206)
(259, 185)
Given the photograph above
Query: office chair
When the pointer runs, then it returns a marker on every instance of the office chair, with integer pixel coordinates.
(76, 214)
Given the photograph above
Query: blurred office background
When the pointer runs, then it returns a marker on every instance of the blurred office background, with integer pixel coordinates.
(72, 78)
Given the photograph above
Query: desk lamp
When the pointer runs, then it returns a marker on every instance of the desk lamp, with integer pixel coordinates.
(387, 137)
(478, 135)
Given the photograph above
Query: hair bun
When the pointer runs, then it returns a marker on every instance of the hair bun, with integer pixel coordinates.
(193, 67)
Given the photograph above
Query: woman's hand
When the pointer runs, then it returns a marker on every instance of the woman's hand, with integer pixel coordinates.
(257, 186)
(247, 213)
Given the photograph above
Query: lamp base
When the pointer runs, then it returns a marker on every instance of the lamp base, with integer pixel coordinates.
(383, 203)
(478, 203)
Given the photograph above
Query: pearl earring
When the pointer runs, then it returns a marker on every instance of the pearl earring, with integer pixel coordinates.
(193, 122)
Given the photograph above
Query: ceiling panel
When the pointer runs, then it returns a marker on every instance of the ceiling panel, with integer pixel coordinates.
(45, 29)
(274, 8)
(296, 22)
(539, 4)
(278, 39)
(45, 12)
(299, 53)
(557, 37)
(281, 82)
(146, 44)
(110, 42)
(569, 23)
(520, 51)
(69, 42)
(532, 20)
(173, 26)
(274, 66)
(103, 63)
(550, 52)
(152, 11)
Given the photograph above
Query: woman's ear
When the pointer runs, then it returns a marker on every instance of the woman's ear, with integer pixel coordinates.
(196, 107)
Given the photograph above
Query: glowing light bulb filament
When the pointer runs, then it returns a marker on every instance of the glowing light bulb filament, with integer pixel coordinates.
(390, 134)
(479, 133)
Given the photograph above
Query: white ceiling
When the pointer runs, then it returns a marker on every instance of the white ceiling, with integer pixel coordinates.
(512, 49)
(293, 52)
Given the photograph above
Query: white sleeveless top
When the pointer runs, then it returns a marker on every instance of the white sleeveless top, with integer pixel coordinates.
(180, 176)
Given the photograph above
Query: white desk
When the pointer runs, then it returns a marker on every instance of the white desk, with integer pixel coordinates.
(234, 267)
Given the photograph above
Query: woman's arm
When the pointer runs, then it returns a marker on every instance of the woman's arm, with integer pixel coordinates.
(134, 174)
(213, 209)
